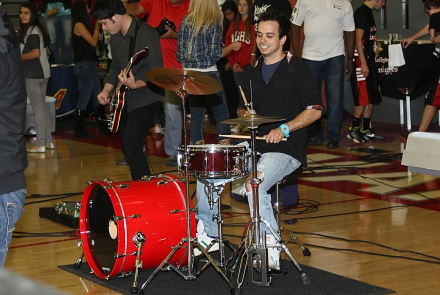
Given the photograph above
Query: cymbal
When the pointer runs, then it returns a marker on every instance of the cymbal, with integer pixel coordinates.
(252, 120)
(195, 82)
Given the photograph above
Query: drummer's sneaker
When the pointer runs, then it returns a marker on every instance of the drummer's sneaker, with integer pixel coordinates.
(356, 135)
(371, 135)
(204, 240)
(273, 252)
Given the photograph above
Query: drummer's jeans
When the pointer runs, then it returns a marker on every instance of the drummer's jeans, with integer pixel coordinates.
(11, 209)
(219, 107)
(274, 167)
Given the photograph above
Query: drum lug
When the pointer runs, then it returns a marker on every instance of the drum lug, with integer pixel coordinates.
(175, 211)
(79, 243)
(117, 218)
(162, 182)
(150, 177)
(123, 185)
(194, 209)
(89, 182)
(119, 255)
(106, 187)
(108, 180)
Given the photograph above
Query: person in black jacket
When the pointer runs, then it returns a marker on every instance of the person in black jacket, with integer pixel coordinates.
(280, 85)
(13, 158)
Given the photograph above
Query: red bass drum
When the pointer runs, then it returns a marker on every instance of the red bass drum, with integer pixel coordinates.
(112, 213)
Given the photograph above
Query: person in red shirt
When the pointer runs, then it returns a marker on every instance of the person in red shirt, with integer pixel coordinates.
(241, 30)
(174, 11)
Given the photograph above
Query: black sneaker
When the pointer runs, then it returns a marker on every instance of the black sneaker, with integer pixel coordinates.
(310, 141)
(370, 135)
(332, 144)
(356, 135)
(435, 53)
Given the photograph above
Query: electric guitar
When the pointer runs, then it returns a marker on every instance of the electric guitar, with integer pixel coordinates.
(118, 95)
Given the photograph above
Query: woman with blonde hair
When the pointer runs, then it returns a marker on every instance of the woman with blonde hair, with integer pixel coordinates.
(199, 47)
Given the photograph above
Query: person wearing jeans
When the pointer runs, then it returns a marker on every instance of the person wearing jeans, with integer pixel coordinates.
(332, 71)
(219, 108)
(281, 85)
(58, 22)
(84, 40)
(13, 156)
(325, 24)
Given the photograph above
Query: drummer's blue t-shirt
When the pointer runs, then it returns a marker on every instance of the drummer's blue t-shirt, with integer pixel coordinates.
(268, 70)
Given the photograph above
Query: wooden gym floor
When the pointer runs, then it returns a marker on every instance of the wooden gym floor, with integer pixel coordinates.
(350, 191)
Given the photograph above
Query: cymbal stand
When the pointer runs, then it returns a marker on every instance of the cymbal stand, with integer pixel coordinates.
(256, 250)
(210, 189)
(190, 242)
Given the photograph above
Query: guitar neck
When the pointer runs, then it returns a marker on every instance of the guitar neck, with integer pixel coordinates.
(127, 70)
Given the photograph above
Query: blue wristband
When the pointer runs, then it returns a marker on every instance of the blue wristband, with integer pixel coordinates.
(285, 130)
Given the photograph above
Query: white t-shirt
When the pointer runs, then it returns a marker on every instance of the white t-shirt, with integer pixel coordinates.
(324, 24)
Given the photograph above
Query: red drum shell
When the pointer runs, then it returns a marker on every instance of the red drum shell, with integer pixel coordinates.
(152, 200)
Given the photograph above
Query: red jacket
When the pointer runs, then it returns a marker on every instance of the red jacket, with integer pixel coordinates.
(242, 56)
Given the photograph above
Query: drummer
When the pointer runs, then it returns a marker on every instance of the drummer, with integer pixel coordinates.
(279, 85)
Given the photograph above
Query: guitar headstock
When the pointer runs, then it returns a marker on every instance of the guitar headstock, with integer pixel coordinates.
(138, 56)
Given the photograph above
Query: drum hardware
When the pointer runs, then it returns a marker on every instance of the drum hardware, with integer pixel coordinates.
(218, 188)
(255, 245)
(108, 180)
(150, 177)
(117, 218)
(185, 82)
(162, 182)
(119, 255)
(139, 240)
(125, 274)
(79, 261)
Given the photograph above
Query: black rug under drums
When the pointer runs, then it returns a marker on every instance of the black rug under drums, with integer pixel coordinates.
(209, 282)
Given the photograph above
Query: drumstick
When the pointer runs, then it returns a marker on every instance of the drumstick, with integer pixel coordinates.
(247, 137)
(244, 99)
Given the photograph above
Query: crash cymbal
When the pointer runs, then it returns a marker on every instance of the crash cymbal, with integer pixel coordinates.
(195, 82)
(253, 120)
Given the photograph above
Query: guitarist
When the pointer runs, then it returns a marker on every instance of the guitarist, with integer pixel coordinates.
(142, 98)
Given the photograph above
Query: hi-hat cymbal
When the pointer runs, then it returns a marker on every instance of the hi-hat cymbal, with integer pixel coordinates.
(252, 120)
(195, 82)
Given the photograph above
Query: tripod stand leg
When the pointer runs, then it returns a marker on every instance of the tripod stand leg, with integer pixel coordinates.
(79, 261)
(165, 261)
(214, 264)
(306, 251)
(304, 277)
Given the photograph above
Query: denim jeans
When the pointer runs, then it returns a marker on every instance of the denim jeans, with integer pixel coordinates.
(173, 122)
(274, 167)
(88, 83)
(11, 209)
(333, 71)
(59, 29)
(36, 91)
(219, 108)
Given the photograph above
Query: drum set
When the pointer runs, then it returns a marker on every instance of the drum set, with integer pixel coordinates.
(150, 223)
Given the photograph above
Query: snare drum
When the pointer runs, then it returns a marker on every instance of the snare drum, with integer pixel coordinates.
(113, 212)
(214, 161)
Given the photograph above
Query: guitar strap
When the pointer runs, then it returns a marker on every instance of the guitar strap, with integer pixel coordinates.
(133, 39)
